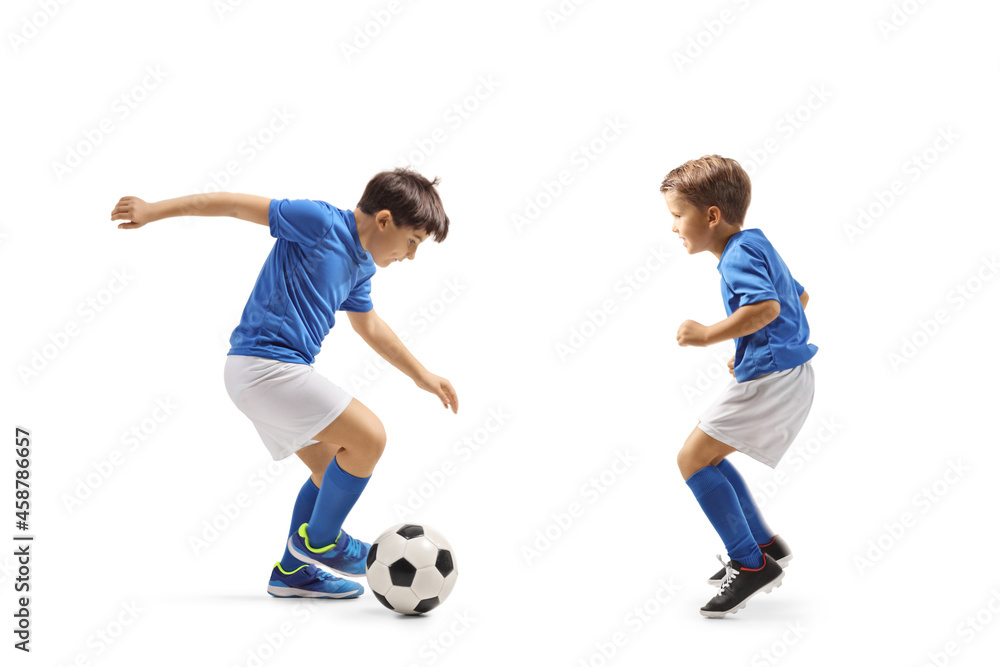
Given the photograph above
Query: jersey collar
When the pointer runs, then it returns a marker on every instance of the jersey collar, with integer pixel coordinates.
(360, 253)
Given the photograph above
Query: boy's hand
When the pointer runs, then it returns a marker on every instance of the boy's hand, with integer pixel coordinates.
(692, 333)
(135, 210)
(732, 362)
(437, 385)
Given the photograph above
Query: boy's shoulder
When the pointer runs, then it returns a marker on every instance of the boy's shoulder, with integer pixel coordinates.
(744, 245)
(754, 238)
(317, 223)
(307, 207)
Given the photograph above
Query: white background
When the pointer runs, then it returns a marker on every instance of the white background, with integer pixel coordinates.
(883, 574)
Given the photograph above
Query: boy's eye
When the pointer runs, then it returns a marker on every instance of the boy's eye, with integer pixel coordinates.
(412, 242)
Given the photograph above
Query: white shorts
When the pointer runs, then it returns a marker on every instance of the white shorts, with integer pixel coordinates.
(761, 417)
(287, 403)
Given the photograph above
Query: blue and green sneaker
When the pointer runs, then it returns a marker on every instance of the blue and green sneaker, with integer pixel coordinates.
(346, 556)
(309, 581)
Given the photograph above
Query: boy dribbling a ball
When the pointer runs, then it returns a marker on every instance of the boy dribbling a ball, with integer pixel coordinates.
(762, 412)
(322, 262)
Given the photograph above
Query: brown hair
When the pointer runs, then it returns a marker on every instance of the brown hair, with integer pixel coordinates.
(712, 180)
(410, 198)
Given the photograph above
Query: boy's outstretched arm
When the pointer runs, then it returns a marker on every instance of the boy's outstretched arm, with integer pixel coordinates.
(234, 205)
(374, 331)
(743, 322)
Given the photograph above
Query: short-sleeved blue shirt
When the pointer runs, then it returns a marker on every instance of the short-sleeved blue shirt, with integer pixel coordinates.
(752, 271)
(316, 267)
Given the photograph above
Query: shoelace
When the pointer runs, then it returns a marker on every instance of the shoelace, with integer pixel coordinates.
(353, 548)
(731, 573)
(323, 575)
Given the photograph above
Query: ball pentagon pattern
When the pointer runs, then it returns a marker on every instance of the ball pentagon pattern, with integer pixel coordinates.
(411, 568)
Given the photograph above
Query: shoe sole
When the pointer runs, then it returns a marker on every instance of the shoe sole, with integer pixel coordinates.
(305, 558)
(286, 592)
(783, 563)
(766, 588)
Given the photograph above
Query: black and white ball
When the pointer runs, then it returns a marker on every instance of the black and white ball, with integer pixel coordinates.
(411, 568)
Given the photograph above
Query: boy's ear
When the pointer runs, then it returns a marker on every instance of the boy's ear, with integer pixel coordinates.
(383, 218)
(714, 216)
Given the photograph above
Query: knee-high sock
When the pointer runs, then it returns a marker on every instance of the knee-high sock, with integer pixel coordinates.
(719, 502)
(300, 514)
(762, 533)
(337, 495)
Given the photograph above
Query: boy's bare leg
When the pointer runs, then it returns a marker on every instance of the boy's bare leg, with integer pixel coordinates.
(356, 439)
(695, 455)
(341, 464)
(360, 439)
(700, 450)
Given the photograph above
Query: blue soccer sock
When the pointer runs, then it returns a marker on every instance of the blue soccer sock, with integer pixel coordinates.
(761, 531)
(719, 502)
(337, 495)
(303, 509)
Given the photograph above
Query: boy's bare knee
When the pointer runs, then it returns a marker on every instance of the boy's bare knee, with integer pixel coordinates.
(377, 439)
(685, 461)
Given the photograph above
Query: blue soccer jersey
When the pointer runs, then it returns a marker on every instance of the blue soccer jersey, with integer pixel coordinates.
(316, 267)
(752, 271)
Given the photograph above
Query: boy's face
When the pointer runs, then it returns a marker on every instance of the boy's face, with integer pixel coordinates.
(391, 243)
(689, 223)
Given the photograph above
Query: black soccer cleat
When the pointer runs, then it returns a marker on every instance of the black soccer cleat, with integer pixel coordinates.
(741, 584)
(777, 548)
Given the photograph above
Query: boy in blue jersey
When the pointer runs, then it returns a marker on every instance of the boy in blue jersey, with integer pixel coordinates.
(763, 411)
(322, 262)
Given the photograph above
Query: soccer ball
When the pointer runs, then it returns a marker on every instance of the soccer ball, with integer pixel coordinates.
(411, 568)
